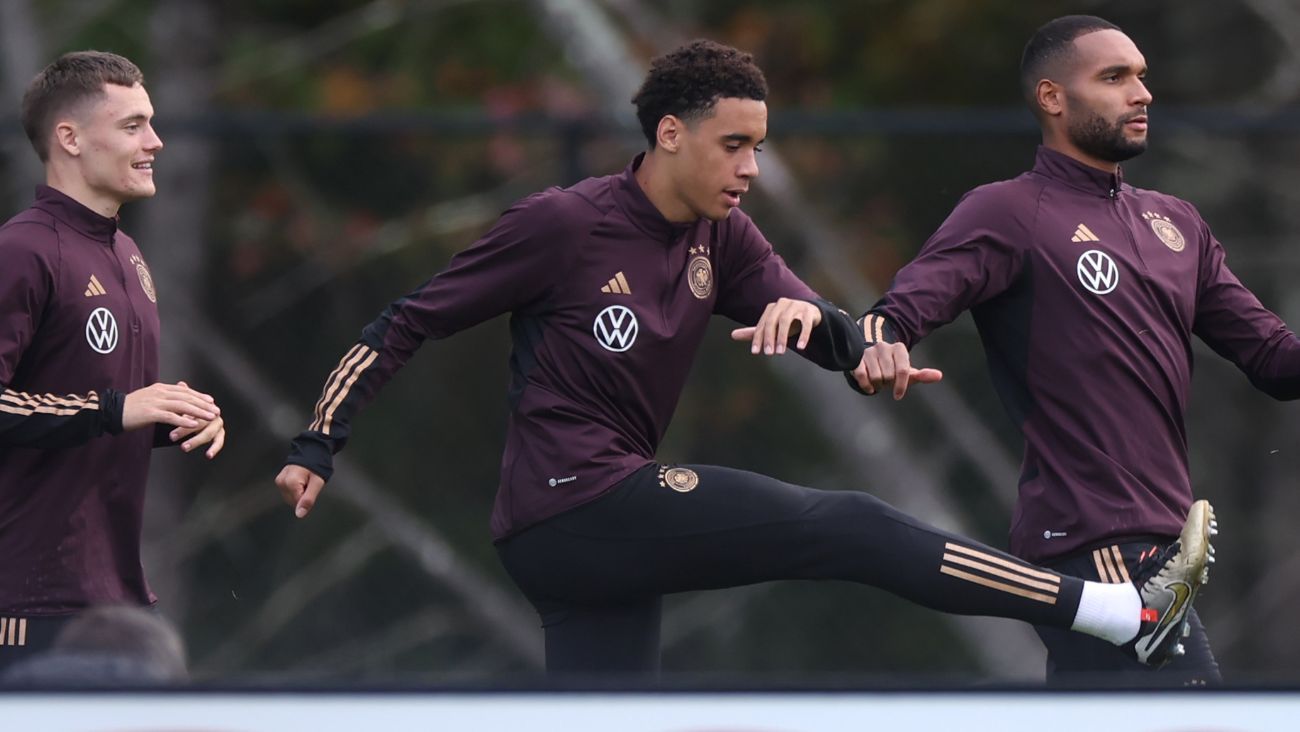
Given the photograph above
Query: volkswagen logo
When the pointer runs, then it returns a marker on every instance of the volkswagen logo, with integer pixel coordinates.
(101, 330)
(615, 328)
(1098, 273)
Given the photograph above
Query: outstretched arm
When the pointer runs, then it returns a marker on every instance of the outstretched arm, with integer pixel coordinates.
(977, 254)
(756, 286)
(799, 323)
(1233, 322)
(510, 268)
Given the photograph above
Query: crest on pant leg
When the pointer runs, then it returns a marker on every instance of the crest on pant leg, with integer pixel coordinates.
(682, 480)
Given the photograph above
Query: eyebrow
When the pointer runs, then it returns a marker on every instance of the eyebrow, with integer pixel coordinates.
(133, 118)
(1121, 68)
(741, 137)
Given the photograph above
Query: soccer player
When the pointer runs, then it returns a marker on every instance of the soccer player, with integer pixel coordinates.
(81, 405)
(610, 284)
(1086, 292)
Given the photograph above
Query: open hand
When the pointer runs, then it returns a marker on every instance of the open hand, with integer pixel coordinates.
(781, 321)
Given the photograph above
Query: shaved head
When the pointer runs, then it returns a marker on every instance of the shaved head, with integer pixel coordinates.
(1050, 51)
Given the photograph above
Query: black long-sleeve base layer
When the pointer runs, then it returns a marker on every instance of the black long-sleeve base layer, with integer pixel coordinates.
(596, 574)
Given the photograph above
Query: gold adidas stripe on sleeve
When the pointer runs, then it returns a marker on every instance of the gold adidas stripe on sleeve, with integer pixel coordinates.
(873, 327)
(343, 392)
(22, 403)
(345, 364)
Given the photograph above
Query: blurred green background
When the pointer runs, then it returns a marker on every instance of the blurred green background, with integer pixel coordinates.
(326, 156)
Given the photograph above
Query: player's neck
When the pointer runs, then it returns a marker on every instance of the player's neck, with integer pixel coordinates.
(1065, 147)
(73, 185)
(657, 184)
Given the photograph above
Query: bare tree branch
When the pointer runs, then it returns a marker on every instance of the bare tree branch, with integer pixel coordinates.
(365, 651)
(441, 218)
(304, 49)
(295, 594)
(1283, 18)
(203, 523)
(183, 34)
(502, 615)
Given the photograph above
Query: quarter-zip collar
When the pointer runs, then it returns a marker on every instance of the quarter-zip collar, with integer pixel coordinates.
(641, 211)
(1061, 167)
(68, 210)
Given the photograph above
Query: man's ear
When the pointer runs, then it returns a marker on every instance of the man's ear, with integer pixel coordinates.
(668, 136)
(1050, 97)
(67, 136)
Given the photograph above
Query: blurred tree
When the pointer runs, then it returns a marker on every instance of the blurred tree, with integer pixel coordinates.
(22, 57)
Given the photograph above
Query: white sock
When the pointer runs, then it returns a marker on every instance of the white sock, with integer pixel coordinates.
(1112, 612)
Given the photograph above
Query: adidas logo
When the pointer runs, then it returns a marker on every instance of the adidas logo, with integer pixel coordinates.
(617, 285)
(1083, 233)
(94, 289)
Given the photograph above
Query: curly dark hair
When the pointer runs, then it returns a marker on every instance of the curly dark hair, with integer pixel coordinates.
(73, 79)
(689, 81)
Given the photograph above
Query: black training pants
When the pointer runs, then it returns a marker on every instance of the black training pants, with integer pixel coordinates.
(25, 637)
(596, 573)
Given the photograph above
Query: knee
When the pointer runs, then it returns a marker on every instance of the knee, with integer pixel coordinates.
(853, 507)
(837, 516)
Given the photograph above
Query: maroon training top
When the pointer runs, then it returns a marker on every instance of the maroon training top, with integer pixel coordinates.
(1086, 292)
(609, 303)
(78, 329)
